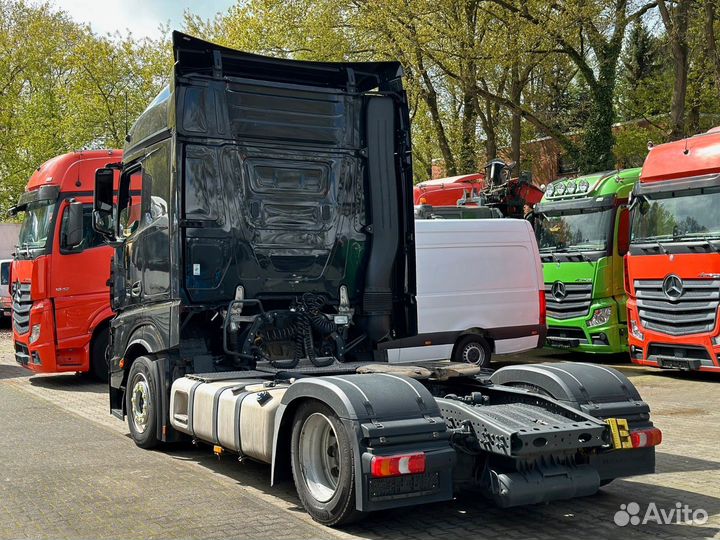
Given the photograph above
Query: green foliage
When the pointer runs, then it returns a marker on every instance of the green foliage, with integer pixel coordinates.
(631, 144)
(569, 70)
(64, 88)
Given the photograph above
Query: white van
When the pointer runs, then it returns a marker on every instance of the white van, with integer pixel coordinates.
(480, 291)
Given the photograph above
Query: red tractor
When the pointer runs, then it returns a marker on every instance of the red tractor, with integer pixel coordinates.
(494, 188)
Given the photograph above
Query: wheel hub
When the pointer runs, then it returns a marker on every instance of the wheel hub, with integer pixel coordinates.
(473, 354)
(319, 453)
(140, 403)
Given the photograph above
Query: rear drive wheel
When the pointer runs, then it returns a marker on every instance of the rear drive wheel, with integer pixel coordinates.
(142, 404)
(98, 358)
(322, 465)
(472, 349)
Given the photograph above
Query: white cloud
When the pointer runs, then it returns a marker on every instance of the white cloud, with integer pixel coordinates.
(142, 17)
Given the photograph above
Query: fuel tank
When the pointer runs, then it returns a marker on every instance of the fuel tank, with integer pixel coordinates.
(237, 414)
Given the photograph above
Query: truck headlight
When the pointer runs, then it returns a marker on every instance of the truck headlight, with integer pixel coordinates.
(716, 341)
(635, 330)
(600, 317)
(34, 333)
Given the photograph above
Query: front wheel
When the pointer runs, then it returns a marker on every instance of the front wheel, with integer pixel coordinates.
(322, 465)
(98, 355)
(472, 349)
(141, 403)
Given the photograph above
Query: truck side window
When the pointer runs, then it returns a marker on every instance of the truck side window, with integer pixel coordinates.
(90, 239)
(130, 214)
(5, 273)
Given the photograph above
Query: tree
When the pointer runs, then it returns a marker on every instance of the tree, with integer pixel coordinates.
(601, 26)
(64, 88)
(676, 18)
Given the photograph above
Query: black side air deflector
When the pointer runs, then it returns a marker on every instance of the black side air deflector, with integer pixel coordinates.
(384, 223)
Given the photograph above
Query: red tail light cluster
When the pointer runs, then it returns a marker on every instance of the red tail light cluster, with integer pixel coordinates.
(543, 309)
(645, 438)
(384, 466)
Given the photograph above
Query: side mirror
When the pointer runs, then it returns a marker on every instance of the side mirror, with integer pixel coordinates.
(103, 203)
(73, 233)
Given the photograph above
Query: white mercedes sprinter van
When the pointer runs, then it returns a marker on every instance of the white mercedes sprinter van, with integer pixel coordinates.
(480, 291)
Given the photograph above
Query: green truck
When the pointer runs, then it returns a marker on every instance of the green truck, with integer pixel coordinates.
(582, 228)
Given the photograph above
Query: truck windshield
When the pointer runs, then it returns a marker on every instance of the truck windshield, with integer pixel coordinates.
(36, 228)
(582, 231)
(676, 216)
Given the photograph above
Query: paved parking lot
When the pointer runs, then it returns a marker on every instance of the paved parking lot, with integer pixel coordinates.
(69, 470)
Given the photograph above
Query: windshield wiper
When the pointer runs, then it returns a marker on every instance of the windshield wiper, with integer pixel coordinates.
(655, 240)
(572, 252)
(707, 239)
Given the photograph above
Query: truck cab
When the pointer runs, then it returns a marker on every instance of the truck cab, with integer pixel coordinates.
(673, 267)
(582, 232)
(61, 308)
(266, 273)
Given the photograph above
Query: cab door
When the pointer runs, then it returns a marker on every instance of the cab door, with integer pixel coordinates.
(144, 226)
(78, 281)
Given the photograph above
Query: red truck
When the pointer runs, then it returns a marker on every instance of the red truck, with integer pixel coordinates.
(673, 267)
(61, 304)
(494, 188)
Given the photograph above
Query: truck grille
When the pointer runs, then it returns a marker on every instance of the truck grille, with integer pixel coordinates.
(693, 312)
(21, 308)
(575, 302)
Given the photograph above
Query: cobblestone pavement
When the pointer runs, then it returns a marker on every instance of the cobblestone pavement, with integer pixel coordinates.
(69, 470)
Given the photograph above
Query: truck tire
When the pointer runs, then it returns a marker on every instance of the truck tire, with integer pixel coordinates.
(322, 465)
(98, 359)
(141, 403)
(472, 349)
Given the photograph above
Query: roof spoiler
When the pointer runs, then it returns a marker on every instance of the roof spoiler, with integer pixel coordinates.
(44, 193)
(194, 56)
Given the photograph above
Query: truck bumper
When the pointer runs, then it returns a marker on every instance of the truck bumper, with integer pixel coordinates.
(42, 355)
(576, 335)
(661, 351)
(699, 352)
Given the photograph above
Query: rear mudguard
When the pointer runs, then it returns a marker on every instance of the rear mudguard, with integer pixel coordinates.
(600, 391)
(384, 414)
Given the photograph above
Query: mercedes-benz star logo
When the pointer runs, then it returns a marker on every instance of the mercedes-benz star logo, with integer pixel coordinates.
(558, 290)
(673, 287)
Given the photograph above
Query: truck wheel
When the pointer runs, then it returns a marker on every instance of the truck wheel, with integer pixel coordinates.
(472, 349)
(98, 360)
(322, 465)
(141, 404)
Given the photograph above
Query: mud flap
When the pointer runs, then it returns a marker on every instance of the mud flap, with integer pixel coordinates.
(385, 414)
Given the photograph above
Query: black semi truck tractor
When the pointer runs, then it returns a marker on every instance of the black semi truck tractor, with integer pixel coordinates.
(265, 272)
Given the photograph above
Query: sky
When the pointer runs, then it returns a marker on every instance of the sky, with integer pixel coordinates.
(142, 17)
